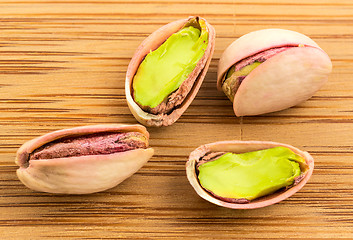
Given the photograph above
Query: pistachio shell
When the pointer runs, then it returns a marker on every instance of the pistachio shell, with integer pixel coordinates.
(284, 80)
(241, 147)
(82, 174)
(197, 75)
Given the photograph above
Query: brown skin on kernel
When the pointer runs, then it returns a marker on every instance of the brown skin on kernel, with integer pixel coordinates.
(260, 57)
(177, 97)
(91, 144)
(197, 75)
(211, 156)
(231, 81)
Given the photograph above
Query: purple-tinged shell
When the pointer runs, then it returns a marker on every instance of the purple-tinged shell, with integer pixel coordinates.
(282, 81)
(80, 174)
(242, 147)
(195, 78)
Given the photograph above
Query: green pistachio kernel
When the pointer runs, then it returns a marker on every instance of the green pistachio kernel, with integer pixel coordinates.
(243, 71)
(250, 175)
(164, 70)
(232, 79)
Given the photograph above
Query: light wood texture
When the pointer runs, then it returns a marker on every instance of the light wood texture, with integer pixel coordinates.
(63, 64)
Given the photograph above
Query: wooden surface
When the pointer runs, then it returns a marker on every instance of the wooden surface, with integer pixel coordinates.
(63, 64)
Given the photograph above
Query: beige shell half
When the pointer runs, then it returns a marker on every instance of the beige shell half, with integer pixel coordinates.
(198, 74)
(242, 147)
(284, 80)
(84, 174)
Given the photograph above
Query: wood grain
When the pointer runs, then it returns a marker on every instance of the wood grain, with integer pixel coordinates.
(63, 64)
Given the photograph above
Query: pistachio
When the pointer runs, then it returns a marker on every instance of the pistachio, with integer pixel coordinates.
(248, 174)
(167, 70)
(83, 159)
(271, 70)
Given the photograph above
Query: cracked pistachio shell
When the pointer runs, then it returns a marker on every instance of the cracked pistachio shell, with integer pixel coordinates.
(284, 80)
(151, 43)
(242, 147)
(82, 174)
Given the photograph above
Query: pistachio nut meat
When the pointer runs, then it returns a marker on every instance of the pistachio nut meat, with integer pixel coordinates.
(248, 174)
(167, 70)
(270, 70)
(83, 159)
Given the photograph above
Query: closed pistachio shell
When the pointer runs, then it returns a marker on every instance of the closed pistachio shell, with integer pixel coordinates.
(283, 80)
(192, 83)
(243, 147)
(81, 174)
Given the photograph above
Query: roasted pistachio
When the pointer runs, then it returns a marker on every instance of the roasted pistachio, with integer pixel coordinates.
(271, 70)
(167, 70)
(248, 174)
(83, 159)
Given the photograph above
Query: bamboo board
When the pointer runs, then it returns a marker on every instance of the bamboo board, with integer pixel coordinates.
(63, 64)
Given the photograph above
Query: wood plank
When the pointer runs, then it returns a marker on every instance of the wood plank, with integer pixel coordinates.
(63, 64)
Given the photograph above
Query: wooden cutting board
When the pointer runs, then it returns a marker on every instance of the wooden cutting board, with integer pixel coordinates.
(63, 64)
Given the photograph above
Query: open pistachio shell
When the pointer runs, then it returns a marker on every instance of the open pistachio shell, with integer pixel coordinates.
(281, 81)
(243, 147)
(86, 173)
(194, 79)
